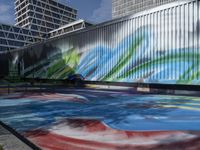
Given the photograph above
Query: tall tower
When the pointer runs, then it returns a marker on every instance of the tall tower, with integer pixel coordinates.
(122, 8)
(43, 15)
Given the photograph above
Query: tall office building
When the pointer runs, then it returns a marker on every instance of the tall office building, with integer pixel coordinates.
(34, 20)
(122, 8)
(12, 37)
(43, 15)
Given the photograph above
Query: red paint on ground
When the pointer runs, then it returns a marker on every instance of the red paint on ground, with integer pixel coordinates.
(51, 141)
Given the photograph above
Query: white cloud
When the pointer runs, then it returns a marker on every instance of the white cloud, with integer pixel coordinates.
(103, 13)
(6, 15)
(4, 8)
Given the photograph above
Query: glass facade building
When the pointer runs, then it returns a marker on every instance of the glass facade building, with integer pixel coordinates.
(43, 15)
(34, 20)
(122, 8)
(12, 37)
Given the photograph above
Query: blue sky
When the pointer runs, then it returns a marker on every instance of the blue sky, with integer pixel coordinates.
(95, 11)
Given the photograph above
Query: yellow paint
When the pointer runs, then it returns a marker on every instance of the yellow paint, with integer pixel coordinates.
(181, 107)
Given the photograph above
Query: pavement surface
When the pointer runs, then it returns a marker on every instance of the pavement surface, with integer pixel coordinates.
(10, 142)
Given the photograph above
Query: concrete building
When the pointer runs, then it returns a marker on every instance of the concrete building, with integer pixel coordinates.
(43, 15)
(122, 8)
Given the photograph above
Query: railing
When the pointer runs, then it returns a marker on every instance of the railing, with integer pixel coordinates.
(46, 84)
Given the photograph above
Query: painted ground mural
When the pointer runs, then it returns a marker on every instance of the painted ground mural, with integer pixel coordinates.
(156, 46)
(86, 119)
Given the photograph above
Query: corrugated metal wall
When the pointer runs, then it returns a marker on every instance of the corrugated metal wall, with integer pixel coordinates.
(156, 46)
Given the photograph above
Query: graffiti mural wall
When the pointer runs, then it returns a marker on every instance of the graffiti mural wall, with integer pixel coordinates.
(155, 46)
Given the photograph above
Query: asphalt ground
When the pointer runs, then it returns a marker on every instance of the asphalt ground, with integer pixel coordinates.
(8, 141)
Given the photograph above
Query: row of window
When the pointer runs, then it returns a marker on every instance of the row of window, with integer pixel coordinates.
(17, 30)
(5, 48)
(125, 7)
(12, 43)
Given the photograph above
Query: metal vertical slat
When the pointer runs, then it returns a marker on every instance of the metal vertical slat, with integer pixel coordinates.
(184, 38)
(195, 39)
(147, 34)
(129, 48)
(92, 46)
(146, 25)
(168, 45)
(146, 43)
(180, 36)
(127, 44)
(165, 44)
(156, 27)
(137, 54)
(87, 48)
(113, 46)
(173, 43)
(103, 45)
(112, 31)
(117, 43)
(154, 16)
(190, 42)
(140, 46)
(151, 44)
(139, 35)
(187, 29)
(150, 32)
(121, 42)
(160, 37)
(106, 32)
(124, 45)
(156, 41)
(88, 38)
(198, 40)
(108, 46)
(131, 44)
(98, 54)
(142, 52)
(175, 40)
(89, 34)
(133, 40)
(171, 37)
